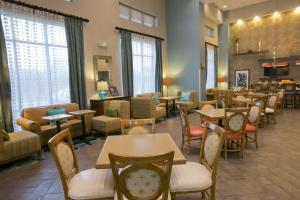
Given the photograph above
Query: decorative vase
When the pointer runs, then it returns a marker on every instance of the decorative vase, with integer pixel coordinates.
(237, 47)
(102, 94)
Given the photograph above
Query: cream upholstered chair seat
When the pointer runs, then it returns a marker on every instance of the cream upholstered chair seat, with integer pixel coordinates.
(91, 184)
(124, 198)
(190, 177)
(270, 110)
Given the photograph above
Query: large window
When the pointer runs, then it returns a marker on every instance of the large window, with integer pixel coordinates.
(37, 59)
(211, 66)
(144, 61)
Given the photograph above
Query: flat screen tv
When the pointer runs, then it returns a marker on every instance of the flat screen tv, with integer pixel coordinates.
(276, 71)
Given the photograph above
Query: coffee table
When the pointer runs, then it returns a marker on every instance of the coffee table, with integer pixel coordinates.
(57, 119)
(139, 146)
(82, 114)
(167, 99)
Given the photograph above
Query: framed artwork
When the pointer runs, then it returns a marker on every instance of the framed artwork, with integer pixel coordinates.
(242, 78)
(113, 90)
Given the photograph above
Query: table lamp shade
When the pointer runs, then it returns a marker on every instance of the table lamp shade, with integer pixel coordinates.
(221, 79)
(167, 81)
(102, 85)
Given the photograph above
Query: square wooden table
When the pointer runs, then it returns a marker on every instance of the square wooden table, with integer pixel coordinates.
(167, 99)
(139, 146)
(213, 114)
(56, 119)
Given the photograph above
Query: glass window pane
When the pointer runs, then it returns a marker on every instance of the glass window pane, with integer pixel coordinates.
(124, 12)
(136, 16)
(210, 62)
(148, 20)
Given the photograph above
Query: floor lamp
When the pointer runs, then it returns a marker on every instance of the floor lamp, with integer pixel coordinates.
(167, 82)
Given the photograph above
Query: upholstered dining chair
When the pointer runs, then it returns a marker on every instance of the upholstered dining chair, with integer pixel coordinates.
(200, 177)
(262, 103)
(235, 123)
(88, 184)
(252, 125)
(138, 126)
(239, 101)
(271, 108)
(142, 178)
(280, 101)
(189, 132)
(207, 105)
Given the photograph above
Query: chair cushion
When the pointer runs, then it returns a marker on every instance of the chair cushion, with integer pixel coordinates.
(160, 112)
(190, 177)
(185, 96)
(232, 136)
(92, 184)
(106, 124)
(196, 131)
(270, 110)
(250, 128)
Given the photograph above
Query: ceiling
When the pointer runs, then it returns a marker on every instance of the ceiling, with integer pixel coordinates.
(232, 4)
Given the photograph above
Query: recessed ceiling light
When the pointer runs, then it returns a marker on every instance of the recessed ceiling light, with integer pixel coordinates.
(239, 22)
(276, 14)
(256, 18)
(297, 10)
(224, 6)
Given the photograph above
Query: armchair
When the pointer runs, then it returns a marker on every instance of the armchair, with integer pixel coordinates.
(192, 101)
(143, 108)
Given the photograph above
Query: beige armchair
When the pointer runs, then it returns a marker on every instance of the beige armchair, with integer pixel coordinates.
(32, 120)
(20, 145)
(143, 108)
(193, 101)
(108, 124)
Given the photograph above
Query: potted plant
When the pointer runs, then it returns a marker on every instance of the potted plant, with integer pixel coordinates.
(236, 40)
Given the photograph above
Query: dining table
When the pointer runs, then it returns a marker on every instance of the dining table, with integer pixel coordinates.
(212, 114)
(138, 146)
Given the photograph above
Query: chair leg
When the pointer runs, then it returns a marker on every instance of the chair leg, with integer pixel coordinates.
(173, 196)
(212, 193)
(39, 155)
(225, 150)
(256, 140)
(242, 143)
(202, 195)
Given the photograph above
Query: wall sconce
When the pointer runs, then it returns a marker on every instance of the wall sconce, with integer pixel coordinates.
(167, 81)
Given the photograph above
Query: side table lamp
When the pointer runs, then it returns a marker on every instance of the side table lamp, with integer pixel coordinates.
(102, 86)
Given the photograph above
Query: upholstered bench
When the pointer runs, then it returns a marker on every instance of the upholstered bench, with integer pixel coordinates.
(20, 145)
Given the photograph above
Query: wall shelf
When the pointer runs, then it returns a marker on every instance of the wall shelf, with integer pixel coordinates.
(250, 52)
(290, 58)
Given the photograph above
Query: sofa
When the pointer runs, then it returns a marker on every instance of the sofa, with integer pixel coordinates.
(191, 103)
(108, 124)
(31, 120)
(20, 145)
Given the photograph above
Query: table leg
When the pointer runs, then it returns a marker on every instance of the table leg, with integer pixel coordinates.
(84, 139)
(58, 128)
(167, 108)
(174, 107)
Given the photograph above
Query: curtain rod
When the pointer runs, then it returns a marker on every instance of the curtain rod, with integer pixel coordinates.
(136, 32)
(35, 7)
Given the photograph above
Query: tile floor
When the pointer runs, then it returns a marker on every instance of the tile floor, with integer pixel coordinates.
(270, 173)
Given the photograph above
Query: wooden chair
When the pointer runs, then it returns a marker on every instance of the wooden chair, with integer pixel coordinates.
(252, 125)
(142, 178)
(274, 87)
(271, 108)
(138, 126)
(280, 101)
(239, 101)
(235, 123)
(88, 184)
(290, 93)
(189, 132)
(262, 103)
(200, 177)
(204, 105)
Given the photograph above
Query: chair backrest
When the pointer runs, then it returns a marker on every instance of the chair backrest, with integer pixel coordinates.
(259, 87)
(280, 96)
(185, 125)
(123, 107)
(236, 119)
(62, 150)
(261, 102)
(138, 126)
(239, 101)
(274, 87)
(211, 147)
(204, 105)
(142, 178)
(254, 114)
(272, 101)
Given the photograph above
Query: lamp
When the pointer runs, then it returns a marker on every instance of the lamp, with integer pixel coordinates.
(102, 86)
(221, 79)
(167, 81)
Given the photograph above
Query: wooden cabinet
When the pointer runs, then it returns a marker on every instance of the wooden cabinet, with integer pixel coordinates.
(97, 104)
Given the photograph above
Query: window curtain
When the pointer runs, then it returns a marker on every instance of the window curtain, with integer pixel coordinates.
(5, 92)
(158, 69)
(216, 66)
(127, 63)
(74, 34)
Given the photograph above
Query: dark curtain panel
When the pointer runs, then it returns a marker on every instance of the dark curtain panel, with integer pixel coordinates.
(6, 122)
(74, 34)
(158, 69)
(205, 70)
(127, 65)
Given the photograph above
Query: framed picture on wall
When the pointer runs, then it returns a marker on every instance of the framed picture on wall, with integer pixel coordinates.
(242, 78)
(113, 90)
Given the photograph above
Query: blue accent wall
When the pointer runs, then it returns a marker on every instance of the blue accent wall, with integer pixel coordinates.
(183, 37)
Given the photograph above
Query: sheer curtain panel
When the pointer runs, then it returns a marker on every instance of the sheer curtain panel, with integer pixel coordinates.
(37, 57)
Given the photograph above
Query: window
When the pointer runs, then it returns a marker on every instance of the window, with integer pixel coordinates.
(144, 61)
(137, 16)
(211, 66)
(37, 60)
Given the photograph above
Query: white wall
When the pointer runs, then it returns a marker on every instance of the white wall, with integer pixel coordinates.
(104, 17)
